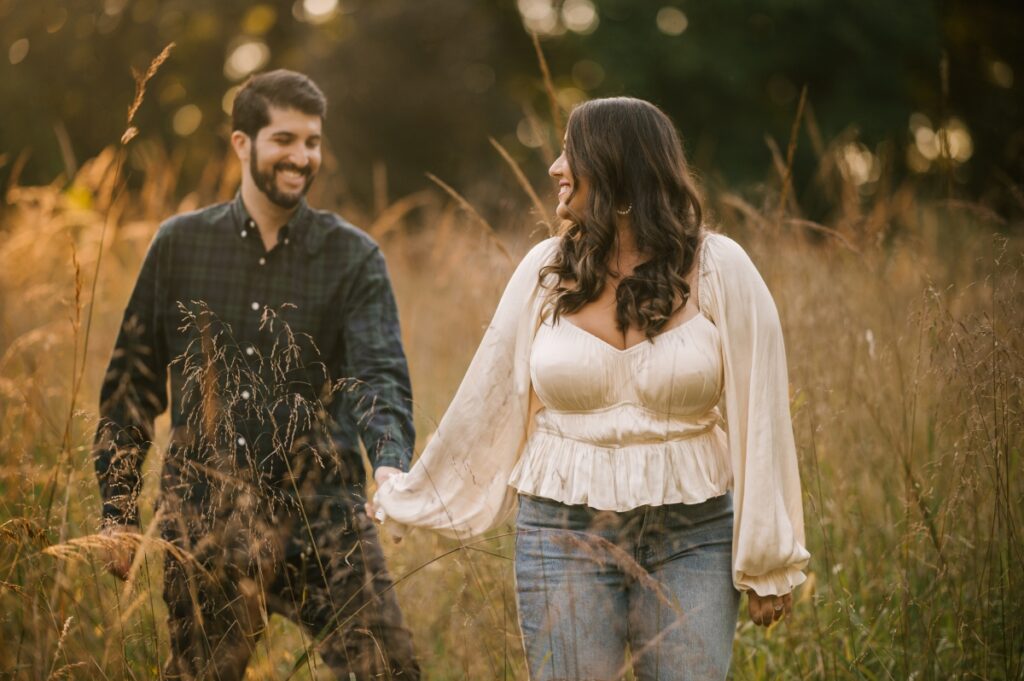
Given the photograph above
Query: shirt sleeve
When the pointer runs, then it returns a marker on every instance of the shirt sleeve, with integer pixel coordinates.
(133, 394)
(375, 371)
(768, 534)
(459, 485)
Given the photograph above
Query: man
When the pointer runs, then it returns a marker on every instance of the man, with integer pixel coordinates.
(278, 326)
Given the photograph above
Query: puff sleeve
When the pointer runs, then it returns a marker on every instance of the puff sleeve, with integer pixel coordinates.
(459, 485)
(768, 533)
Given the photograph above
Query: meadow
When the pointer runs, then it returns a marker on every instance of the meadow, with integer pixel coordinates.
(902, 319)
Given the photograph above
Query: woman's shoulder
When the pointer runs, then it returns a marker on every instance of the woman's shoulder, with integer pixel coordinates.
(526, 273)
(539, 255)
(718, 244)
(719, 251)
(543, 251)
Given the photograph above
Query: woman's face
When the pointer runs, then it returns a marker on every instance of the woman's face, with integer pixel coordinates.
(572, 192)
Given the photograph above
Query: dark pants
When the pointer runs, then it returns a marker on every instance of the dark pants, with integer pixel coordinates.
(317, 562)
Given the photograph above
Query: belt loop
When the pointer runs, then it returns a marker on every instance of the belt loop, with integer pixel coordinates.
(640, 545)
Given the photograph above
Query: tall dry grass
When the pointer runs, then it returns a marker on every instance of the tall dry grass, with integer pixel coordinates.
(902, 321)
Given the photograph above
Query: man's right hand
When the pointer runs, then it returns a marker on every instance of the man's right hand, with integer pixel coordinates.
(121, 551)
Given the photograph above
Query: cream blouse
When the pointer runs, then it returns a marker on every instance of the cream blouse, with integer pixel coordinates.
(617, 429)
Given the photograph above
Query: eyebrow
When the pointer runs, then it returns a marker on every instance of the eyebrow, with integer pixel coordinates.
(292, 135)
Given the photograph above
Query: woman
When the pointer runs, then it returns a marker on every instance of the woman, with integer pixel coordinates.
(593, 398)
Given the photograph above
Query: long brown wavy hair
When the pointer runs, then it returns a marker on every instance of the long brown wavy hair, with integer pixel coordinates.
(630, 154)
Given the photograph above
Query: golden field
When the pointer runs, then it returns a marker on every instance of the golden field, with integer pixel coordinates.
(902, 319)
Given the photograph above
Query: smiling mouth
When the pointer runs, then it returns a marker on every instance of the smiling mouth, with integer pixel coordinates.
(293, 175)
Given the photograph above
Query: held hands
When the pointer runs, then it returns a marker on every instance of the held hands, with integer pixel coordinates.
(380, 476)
(764, 610)
(767, 609)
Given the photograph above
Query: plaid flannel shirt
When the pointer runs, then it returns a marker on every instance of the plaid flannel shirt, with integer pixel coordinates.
(261, 347)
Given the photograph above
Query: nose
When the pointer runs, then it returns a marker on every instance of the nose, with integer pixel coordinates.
(556, 168)
(299, 157)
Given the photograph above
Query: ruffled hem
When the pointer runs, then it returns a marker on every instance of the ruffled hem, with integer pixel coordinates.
(775, 583)
(570, 471)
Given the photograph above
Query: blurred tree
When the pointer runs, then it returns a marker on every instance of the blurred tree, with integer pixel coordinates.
(419, 85)
(923, 87)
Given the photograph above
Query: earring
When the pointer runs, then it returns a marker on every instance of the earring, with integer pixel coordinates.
(629, 209)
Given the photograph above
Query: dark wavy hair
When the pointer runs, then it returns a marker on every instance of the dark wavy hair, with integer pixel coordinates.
(630, 155)
(282, 89)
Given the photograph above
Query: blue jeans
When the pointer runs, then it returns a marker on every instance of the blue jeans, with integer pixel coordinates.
(657, 579)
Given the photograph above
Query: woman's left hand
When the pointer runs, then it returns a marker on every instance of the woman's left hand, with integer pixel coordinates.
(767, 609)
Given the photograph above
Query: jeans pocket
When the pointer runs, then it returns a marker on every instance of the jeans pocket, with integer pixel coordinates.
(689, 529)
(540, 513)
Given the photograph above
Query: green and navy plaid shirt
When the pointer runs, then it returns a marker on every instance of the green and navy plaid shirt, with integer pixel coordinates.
(264, 349)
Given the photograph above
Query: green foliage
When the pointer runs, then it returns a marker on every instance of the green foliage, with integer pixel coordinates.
(419, 85)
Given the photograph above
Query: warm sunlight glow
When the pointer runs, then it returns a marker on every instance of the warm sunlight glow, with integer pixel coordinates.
(858, 165)
(672, 21)
(18, 51)
(187, 120)
(247, 57)
(580, 16)
(540, 17)
(319, 11)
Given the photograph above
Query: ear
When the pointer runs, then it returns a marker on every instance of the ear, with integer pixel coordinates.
(242, 144)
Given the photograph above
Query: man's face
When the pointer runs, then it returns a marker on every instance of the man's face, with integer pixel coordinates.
(285, 156)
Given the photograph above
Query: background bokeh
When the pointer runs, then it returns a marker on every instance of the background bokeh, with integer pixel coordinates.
(920, 88)
(888, 223)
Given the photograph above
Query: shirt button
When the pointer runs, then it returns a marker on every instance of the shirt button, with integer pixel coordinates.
(246, 394)
(263, 261)
(241, 441)
(255, 306)
(250, 351)
(250, 224)
(244, 233)
(286, 241)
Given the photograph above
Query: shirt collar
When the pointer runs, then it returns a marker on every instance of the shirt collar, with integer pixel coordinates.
(298, 230)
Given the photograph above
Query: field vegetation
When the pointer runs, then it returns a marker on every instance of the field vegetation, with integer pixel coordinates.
(902, 314)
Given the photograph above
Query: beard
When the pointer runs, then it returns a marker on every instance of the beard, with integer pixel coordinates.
(266, 181)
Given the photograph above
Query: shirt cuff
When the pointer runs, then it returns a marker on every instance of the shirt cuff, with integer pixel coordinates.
(394, 455)
(775, 583)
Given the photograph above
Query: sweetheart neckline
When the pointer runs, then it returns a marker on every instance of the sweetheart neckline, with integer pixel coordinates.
(623, 351)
